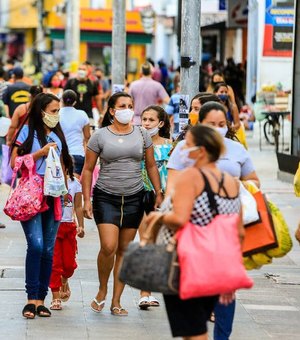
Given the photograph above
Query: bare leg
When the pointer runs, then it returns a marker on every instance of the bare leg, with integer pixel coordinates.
(126, 235)
(108, 235)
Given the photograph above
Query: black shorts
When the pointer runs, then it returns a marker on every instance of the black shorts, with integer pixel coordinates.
(78, 164)
(122, 211)
(189, 317)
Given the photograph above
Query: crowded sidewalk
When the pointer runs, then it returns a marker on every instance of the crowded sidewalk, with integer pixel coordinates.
(270, 310)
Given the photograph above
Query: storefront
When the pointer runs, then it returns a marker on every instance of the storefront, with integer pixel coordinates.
(96, 38)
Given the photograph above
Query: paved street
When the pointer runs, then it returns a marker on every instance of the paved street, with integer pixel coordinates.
(271, 310)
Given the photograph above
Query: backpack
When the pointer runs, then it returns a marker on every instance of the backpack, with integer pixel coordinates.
(27, 199)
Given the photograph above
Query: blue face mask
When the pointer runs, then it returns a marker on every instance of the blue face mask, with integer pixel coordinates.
(223, 97)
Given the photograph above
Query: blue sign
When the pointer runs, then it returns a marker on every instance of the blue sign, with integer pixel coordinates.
(222, 5)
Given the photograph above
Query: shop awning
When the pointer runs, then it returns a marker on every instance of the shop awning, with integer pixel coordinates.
(104, 37)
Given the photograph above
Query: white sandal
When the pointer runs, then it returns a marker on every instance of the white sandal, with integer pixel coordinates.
(118, 311)
(99, 304)
(153, 301)
(144, 302)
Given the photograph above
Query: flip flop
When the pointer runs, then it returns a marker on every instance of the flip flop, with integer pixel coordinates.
(56, 304)
(29, 311)
(43, 311)
(144, 302)
(153, 301)
(65, 292)
(99, 304)
(116, 311)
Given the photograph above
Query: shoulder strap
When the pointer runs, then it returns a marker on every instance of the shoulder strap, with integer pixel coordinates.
(210, 195)
(221, 182)
(144, 141)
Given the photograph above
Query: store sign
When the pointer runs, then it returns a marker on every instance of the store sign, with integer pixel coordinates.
(237, 13)
(222, 5)
(279, 24)
(98, 20)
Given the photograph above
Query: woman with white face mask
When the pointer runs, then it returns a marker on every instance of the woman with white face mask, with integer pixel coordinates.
(156, 121)
(41, 132)
(118, 194)
(237, 162)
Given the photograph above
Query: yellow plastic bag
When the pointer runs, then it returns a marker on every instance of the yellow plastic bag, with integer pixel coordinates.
(249, 264)
(297, 182)
(261, 259)
(284, 239)
(241, 135)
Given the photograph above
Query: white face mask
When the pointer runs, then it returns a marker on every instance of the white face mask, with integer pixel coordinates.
(124, 116)
(81, 74)
(153, 131)
(222, 130)
(50, 120)
(184, 156)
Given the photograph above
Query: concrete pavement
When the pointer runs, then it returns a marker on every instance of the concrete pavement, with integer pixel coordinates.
(271, 310)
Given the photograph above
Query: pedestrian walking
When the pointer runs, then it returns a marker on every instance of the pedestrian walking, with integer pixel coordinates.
(76, 127)
(54, 86)
(202, 149)
(222, 91)
(236, 161)
(20, 115)
(42, 132)
(118, 195)
(145, 92)
(86, 90)
(156, 121)
(65, 249)
(16, 93)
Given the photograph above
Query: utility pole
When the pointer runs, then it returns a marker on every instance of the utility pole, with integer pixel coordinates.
(72, 34)
(119, 42)
(190, 51)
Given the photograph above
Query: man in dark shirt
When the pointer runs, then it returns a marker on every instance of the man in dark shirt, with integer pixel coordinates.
(17, 93)
(86, 91)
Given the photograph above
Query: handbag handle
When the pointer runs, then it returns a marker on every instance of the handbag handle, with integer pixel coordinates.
(28, 161)
(152, 230)
(211, 196)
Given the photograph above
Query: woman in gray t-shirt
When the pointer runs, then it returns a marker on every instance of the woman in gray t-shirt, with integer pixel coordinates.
(118, 193)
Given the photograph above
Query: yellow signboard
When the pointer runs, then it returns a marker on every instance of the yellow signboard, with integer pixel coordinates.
(98, 20)
(22, 15)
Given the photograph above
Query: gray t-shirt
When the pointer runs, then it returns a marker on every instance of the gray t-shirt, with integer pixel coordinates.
(120, 160)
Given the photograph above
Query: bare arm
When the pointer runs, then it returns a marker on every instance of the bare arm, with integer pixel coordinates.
(185, 191)
(86, 135)
(79, 213)
(252, 177)
(36, 155)
(87, 175)
(172, 176)
(98, 103)
(15, 122)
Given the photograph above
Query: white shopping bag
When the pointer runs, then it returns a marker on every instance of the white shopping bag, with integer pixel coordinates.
(54, 180)
(249, 206)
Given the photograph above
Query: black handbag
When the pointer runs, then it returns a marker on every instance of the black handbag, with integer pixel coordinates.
(151, 267)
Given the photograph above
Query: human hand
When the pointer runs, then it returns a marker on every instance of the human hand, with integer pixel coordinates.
(158, 200)
(88, 210)
(66, 196)
(46, 148)
(226, 299)
(80, 231)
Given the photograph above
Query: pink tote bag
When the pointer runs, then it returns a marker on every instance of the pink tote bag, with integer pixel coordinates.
(210, 258)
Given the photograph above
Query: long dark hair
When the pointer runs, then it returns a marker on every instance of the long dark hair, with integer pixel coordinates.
(162, 116)
(36, 125)
(207, 107)
(108, 118)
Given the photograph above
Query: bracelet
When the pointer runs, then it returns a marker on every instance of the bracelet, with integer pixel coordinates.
(159, 191)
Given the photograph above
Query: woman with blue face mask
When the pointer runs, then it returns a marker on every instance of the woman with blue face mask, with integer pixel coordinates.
(237, 162)
(119, 191)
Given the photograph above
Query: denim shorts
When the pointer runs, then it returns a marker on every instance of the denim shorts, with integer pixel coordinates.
(122, 211)
(78, 164)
